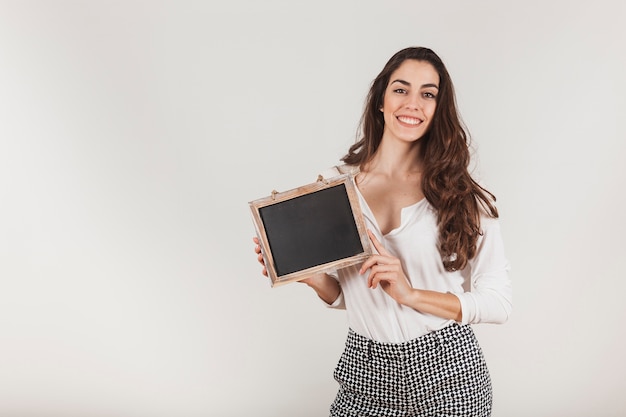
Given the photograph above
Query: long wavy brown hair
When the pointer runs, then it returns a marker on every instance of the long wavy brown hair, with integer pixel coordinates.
(446, 181)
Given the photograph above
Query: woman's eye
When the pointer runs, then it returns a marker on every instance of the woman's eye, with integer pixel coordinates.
(399, 91)
(429, 95)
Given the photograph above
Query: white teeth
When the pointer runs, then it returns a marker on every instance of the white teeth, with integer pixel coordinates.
(409, 120)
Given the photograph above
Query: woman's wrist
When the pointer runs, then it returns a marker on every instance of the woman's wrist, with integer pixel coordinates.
(412, 298)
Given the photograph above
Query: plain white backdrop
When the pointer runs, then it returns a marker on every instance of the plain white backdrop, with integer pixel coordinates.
(133, 134)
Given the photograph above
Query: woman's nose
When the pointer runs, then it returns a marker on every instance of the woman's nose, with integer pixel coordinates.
(413, 102)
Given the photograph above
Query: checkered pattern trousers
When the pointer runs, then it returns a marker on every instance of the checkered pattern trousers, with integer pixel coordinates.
(440, 374)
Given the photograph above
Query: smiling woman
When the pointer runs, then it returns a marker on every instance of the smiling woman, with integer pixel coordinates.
(439, 264)
(410, 100)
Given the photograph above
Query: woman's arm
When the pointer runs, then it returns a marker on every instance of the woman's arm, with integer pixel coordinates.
(489, 300)
(439, 304)
(386, 271)
(490, 295)
(326, 287)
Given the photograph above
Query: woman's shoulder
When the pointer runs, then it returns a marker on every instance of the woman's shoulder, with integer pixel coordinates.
(339, 170)
(489, 226)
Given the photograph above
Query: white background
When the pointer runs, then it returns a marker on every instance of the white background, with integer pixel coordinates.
(133, 134)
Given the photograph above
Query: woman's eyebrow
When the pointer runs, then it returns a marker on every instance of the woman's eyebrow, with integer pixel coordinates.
(408, 84)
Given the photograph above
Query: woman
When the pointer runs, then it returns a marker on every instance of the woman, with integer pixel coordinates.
(440, 264)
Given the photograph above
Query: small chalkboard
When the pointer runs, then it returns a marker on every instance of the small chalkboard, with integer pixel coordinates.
(311, 229)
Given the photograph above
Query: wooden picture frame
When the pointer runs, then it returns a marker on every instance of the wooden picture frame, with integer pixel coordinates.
(311, 229)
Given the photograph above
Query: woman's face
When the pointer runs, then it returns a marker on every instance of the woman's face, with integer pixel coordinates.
(410, 100)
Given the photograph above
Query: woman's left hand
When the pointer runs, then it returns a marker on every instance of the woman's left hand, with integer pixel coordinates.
(386, 270)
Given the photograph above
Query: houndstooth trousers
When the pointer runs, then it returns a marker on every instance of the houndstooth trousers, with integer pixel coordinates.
(440, 374)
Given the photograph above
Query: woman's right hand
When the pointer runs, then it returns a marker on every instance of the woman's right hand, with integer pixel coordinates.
(257, 250)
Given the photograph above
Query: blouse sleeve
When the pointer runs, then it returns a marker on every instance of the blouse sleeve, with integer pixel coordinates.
(339, 302)
(489, 296)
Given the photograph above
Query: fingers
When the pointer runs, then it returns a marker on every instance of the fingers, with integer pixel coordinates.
(369, 262)
(257, 250)
(384, 270)
(378, 260)
(382, 274)
(257, 247)
(377, 245)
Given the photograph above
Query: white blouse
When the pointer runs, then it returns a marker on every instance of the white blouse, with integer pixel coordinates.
(483, 286)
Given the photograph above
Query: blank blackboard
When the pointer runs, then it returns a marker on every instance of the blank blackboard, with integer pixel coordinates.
(311, 229)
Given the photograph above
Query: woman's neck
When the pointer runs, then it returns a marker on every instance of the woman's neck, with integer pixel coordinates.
(396, 159)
